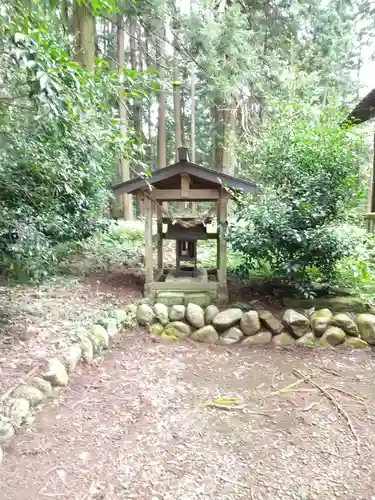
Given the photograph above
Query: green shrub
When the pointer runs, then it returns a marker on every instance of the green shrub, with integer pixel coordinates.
(312, 173)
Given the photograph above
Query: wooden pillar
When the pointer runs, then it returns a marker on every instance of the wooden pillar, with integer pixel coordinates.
(222, 247)
(160, 237)
(149, 265)
(372, 189)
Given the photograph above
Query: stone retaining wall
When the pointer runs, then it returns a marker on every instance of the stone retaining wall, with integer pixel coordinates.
(314, 328)
(19, 405)
(177, 322)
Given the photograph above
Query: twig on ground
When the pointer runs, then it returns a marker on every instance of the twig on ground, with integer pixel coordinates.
(52, 495)
(236, 483)
(287, 388)
(19, 382)
(358, 397)
(328, 370)
(341, 410)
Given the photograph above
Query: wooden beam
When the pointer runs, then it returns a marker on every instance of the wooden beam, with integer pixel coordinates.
(194, 194)
(160, 236)
(222, 248)
(185, 186)
(149, 265)
(164, 286)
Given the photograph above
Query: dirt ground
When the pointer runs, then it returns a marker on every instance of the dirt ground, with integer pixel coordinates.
(136, 427)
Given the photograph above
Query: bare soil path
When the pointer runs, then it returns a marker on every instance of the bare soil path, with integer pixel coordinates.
(135, 427)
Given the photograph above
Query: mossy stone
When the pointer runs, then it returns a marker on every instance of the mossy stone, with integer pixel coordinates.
(156, 329)
(178, 328)
(356, 343)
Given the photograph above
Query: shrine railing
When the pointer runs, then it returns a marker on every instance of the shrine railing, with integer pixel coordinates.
(370, 222)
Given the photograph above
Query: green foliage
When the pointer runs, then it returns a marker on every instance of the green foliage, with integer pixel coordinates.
(59, 138)
(121, 244)
(312, 174)
(356, 272)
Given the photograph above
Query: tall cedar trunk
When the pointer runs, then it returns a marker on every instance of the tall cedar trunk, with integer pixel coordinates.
(122, 162)
(192, 104)
(137, 107)
(224, 136)
(176, 85)
(149, 102)
(162, 136)
(192, 101)
(84, 34)
(137, 111)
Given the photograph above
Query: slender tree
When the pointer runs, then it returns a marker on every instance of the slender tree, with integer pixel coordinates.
(122, 161)
(83, 25)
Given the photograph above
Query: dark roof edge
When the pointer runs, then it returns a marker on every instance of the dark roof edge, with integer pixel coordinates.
(138, 182)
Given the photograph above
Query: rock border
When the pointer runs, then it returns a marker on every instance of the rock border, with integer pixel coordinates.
(248, 327)
(178, 322)
(41, 385)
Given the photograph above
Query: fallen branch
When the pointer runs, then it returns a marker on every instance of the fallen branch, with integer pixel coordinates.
(340, 409)
(358, 397)
(287, 388)
(333, 372)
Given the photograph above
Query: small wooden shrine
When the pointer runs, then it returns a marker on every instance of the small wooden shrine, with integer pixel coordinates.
(184, 182)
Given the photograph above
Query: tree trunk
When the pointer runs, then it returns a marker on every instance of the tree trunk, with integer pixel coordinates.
(162, 136)
(224, 136)
(137, 112)
(192, 104)
(84, 34)
(122, 162)
(176, 88)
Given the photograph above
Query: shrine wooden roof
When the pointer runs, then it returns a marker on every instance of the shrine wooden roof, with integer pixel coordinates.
(364, 111)
(169, 178)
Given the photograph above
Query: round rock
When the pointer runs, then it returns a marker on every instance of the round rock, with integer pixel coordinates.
(33, 395)
(179, 329)
(346, 323)
(320, 321)
(231, 336)
(206, 334)
(295, 322)
(161, 313)
(332, 337)
(210, 313)
(56, 373)
(307, 340)
(156, 329)
(145, 314)
(250, 323)
(87, 350)
(226, 319)
(72, 357)
(271, 322)
(356, 343)
(99, 338)
(43, 385)
(260, 338)
(177, 313)
(18, 410)
(366, 327)
(6, 431)
(195, 315)
(283, 339)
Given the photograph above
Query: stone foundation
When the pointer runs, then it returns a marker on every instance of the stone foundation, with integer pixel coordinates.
(207, 324)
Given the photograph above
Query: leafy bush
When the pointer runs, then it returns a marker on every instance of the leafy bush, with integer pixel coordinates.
(59, 140)
(313, 177)
(118, 246)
